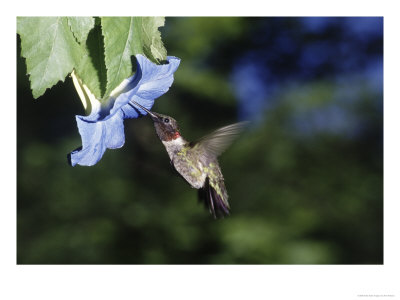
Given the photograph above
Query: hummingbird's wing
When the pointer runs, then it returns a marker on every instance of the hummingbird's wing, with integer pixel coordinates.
(216, 142)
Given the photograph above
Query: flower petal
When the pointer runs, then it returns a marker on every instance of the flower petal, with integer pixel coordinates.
(96, 138)
(156, 81)
(149, 82)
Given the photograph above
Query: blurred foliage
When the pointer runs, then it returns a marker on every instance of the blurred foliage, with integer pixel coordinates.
(305, 182)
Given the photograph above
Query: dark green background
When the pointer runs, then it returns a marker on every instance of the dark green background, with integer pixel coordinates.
(305, 182)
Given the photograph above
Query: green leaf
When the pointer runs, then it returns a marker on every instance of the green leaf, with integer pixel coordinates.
(151, 38)
(80, 27)
(101, 55)
(91, 68)
(50, 50)
(125, 37)
(120, 43)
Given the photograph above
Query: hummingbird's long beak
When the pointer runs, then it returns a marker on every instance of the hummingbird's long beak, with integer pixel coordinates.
(154, 116)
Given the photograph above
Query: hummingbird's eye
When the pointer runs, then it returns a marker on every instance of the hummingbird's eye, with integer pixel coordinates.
(166, 120)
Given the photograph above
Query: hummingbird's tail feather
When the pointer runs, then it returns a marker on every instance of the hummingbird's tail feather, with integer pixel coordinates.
(214, 201)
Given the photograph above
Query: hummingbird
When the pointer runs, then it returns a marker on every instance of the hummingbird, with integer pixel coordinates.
(197, 161)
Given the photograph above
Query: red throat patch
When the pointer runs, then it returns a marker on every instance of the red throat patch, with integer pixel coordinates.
(176, 135)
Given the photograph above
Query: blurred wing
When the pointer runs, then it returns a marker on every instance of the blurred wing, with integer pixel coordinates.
(216, 142)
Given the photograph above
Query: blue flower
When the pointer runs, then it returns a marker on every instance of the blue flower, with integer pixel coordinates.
(104, 127)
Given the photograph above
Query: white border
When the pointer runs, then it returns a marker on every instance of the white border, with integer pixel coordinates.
(200, 282)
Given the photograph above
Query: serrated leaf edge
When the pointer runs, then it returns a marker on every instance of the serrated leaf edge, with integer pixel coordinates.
(129, 36)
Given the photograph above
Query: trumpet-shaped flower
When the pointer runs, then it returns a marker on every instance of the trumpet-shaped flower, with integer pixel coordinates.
(104, 127)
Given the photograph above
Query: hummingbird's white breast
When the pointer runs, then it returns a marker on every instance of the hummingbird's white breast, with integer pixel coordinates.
(174, 146)
(192, 171)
